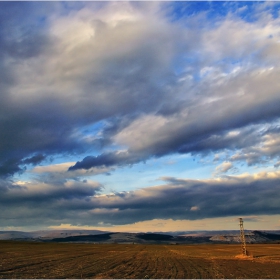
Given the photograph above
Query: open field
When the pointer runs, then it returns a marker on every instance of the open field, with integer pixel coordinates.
(68, 260)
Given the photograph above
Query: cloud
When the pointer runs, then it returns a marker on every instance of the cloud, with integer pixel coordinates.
(42, 202)
(15, 165)
(54, 168)
(9, 167)
(254, 219)
(59, 174)
(107, 159)
(169, 225)
(81, 202)
(109, 85)
(229, 111)
(267, 148)
(224, 167)
(156, 105)
(34, 160)
(69, 87)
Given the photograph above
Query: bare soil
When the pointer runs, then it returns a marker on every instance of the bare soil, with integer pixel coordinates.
(118, 261)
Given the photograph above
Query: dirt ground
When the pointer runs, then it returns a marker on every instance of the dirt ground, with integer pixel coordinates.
(118, 261)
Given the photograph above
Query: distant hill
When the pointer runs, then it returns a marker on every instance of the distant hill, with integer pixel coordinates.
(155, 236)
(45, 234)
(96, 236)
(84, 238)
(251, 237)
(267, 235)
(117, 237)
(137, 238)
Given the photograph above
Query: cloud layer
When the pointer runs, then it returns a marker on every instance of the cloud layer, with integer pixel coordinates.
(80, 203)
(93, 87)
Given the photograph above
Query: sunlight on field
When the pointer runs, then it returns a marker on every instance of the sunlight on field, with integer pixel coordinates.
(53, 260)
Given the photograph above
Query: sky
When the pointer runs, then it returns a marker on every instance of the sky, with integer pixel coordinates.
(139, 116)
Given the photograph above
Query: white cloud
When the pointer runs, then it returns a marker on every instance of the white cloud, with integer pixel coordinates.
(224, 167)
(194, 208)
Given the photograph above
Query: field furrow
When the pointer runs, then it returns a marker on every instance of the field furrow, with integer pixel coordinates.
(117, 261)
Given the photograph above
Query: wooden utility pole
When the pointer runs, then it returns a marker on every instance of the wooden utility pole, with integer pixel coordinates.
(242, 238)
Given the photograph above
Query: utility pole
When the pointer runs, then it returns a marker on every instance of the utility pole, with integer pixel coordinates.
(242, 237)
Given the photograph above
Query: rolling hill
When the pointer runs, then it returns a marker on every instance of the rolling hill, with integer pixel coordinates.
(95, 236)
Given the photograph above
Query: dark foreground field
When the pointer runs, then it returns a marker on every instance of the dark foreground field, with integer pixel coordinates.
(54, 260)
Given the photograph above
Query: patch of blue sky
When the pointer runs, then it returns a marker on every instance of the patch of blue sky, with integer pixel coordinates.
(229, 64)
(184, 9)
(266, 166)
(146, 174)
(275, 11)
(67, 7)
(249, 11)
(39, 15)
(126, 179)
(22, 177)
(185, 62)
(92, 129)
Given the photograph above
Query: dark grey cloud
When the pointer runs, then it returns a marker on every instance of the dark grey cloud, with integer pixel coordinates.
(15, 165)
(107, 160)
(20, 39)
(51, 202)
(43, 194)
(79, 203)
(34, 160)
(23, 30)
(10, 167)
(213, 199)
(8, 186)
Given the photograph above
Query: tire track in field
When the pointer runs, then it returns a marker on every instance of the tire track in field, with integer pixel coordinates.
(39, 264)
(80, 266)
(97, 266)
(57, 266)
(216, 269)
(143, 272)
(137, 266)
(159, 264)
(162, 264)
(92, 264)
(184, 266)
(134, 265)
(31, 256)
(191, 267)
(143, 263)
(120, 264)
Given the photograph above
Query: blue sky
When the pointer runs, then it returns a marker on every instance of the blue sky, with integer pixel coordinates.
(134, 116)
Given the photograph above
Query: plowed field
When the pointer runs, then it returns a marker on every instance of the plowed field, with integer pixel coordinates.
(54, 260)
